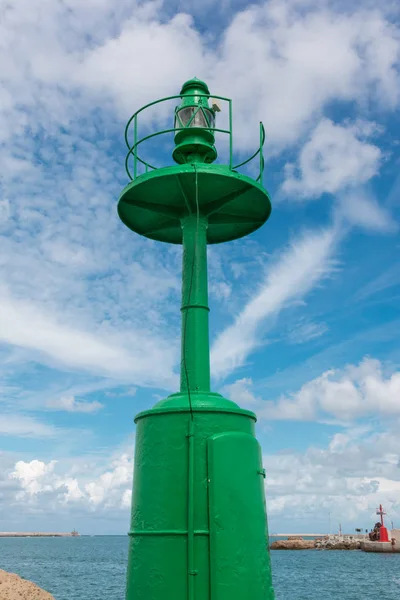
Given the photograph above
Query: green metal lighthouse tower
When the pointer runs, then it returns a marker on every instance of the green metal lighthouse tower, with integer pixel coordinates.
(198, 524)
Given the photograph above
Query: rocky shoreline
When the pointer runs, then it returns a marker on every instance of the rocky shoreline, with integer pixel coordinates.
(340, 542)
(13, 587)
(295, 544)
(319, 544)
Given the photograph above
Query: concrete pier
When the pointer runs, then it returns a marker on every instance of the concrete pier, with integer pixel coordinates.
(8, 534)
(393, 546)
(379, 547)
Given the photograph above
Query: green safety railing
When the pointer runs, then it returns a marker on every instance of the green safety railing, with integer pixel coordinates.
(133, 148)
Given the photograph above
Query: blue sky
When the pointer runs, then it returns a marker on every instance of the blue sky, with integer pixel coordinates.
(305, 314)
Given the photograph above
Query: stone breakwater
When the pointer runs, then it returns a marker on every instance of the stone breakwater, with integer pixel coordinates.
(6, 534)
(294, 544)
(328, 544)
(359, 541)
(13, 587)
(319, 543)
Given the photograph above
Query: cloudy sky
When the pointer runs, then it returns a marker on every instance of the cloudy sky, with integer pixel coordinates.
(305, 320)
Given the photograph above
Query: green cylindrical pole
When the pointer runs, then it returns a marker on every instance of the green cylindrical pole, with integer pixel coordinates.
(195, 353)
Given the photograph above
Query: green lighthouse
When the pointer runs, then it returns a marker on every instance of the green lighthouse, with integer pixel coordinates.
(198, 522)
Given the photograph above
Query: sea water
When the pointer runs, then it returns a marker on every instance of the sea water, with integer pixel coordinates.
(94, 568)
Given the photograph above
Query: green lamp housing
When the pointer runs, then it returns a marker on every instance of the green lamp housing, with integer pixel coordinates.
(195, 122)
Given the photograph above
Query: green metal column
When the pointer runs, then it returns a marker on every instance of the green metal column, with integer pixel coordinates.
(195, 354)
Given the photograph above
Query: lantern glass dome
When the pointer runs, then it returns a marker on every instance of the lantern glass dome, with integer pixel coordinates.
(194, 116)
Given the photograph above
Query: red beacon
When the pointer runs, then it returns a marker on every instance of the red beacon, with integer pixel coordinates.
(383, 532)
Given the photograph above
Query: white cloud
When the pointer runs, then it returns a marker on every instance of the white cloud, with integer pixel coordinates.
(168, 53)
(127, 499)
(360, 209)
(25, 325)
(356, 391)
(339, 159)
(344, 395)
(5, 210)
(294, 274)
(84, 294)
(124, 393)
(343, 482)
(72, 491)
(240, 392)
(65, 59)
(307, 57)
(304, 331)
(70, 404)
(41, 482)
(25, 426)
(347, 477)
(31, 476)
(302, 58)
(334, 157)
(107, 488)
(390, 277)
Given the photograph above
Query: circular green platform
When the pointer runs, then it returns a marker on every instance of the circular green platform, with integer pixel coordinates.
(154, 204)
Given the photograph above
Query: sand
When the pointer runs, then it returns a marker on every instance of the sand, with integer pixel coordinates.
(12, 587)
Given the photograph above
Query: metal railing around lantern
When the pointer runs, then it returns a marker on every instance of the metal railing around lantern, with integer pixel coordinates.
(133, 149)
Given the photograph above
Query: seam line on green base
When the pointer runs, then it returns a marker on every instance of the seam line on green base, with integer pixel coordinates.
(167, 532)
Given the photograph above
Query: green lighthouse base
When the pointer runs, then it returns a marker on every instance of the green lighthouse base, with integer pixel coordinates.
(198, 525)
